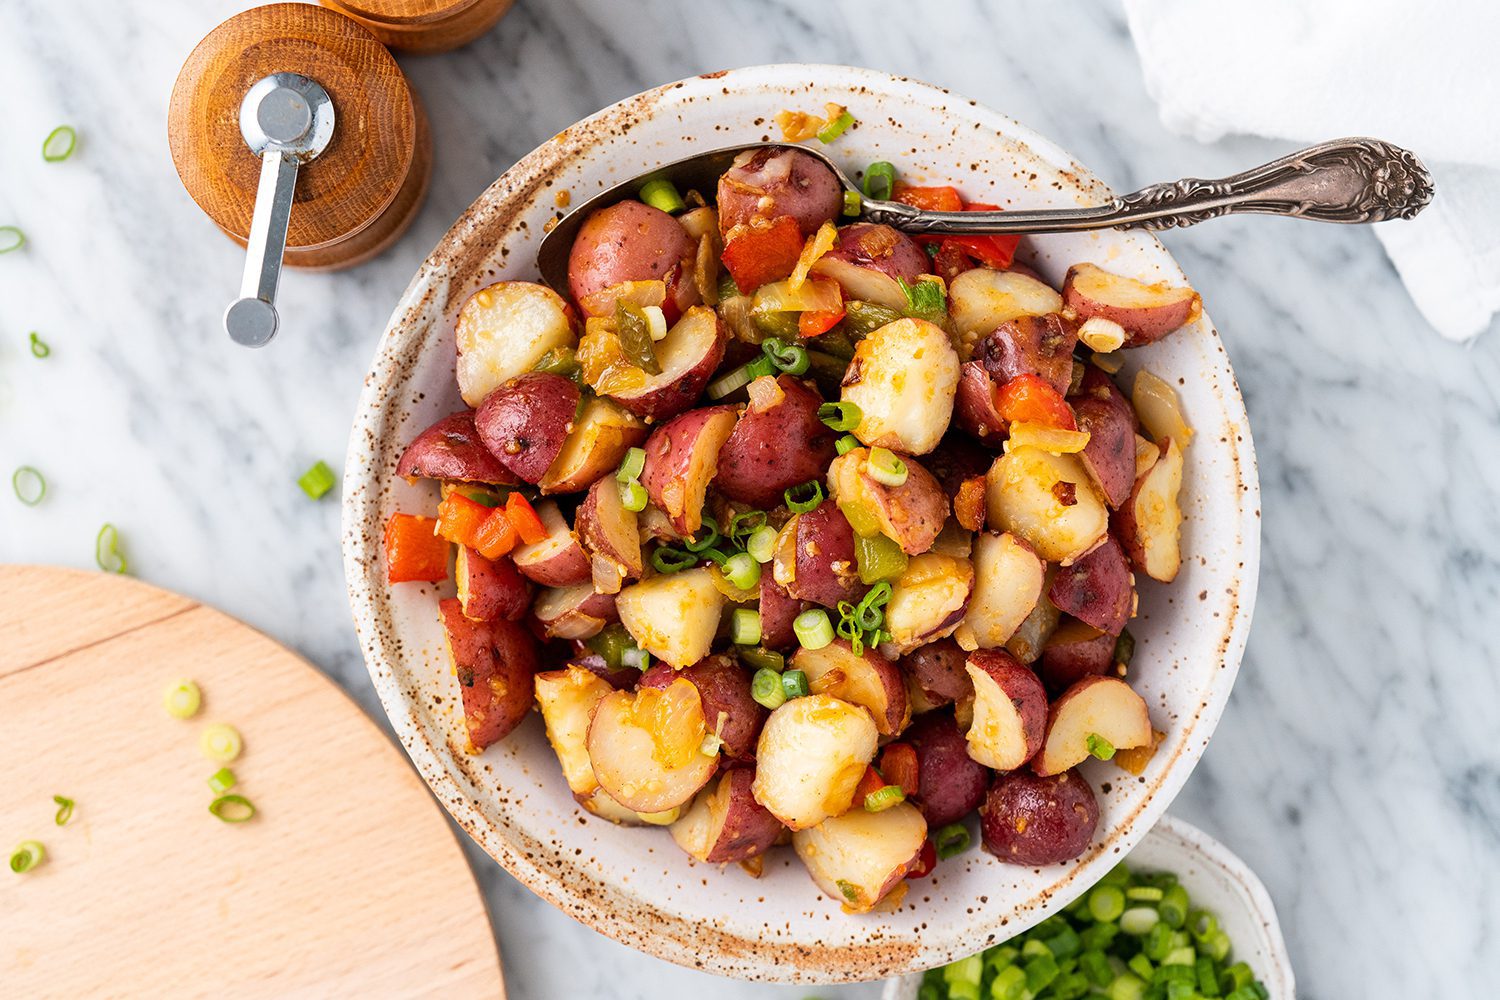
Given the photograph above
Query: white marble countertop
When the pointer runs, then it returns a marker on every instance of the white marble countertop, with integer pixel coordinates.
(1356, 769)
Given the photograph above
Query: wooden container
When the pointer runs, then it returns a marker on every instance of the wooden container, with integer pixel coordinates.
(360, 193)
(423, 25)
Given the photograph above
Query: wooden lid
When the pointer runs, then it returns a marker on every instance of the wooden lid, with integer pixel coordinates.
(374, 136)
(405, 11)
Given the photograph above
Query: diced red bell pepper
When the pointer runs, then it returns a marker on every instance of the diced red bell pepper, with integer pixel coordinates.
(932, 199)
(523, 518)
(898, 762)
(759, 254)
(992, 251)
(496, 536)
(459, 519)
(816, 323)
(926, 861)
(413, 551)
(1028, 398)
(869, 783)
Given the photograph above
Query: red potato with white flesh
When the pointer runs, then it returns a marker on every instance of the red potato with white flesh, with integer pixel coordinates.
(450, 450)
(725, 823)
(1105, 707)
(815, 560)
(687, 355)
(870, 261)
(598, 440)
(503, 331)
(981, 299)
(976, 405)
(911, 515)
(858, 858)
(525, 421)
(1048, 501)
(1010, 710)
(682, 456)
(490, 589)
(777, 613)
(766, 184)
(927, 601)
(632, 241)
(1149, 523)
(1097, 589)
(810, 757)
(937, 668)
(1148, 312)
(1031, 345)
(778, 443)
(566, 699)
(494, 662)
(611, 536)
(645, 747)
(1008, 578)
(673, 616)
(729, 710)
(1103, 412)
(903, 378)
(950, 783)
(576, 612)
(557, 560)
(867, 679)
(1030, 820)
(1073, 652)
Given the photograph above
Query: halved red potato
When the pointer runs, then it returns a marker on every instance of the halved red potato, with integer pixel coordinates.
(815, 560)
(870, 261)
(1149, 523)
(490, 589)
(903, 377)
(1094, 706)
(610, 534)
(927, 601)
(981, 299)
(1147, 312)
(1097, 588)
(1104, 413)
(673, 616)
(858, 858)
(557, 560)
(631, 241)
(566, 699)
(766, 184)
(1075, 651)
(976, 405)
(1047, 500)
(688, 355)
(495, 661)
(503, 331)
(777, 613)
(950, 783)
(778, 443)
(576, 612)
(1031, 345)
(729, 710)
(601, 435)
(1008, 578)
(868, 680)
(451, 450)
(646, 748)
(1030, 820)
(911, 515)
(725, 823)
(1010, 710)
(682, 456)
(525, 421)
(937, 668)
(810, 757)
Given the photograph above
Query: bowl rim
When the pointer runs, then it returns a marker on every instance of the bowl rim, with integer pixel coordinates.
(602, 905)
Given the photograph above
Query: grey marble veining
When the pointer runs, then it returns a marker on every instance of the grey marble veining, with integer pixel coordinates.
(1356, 769)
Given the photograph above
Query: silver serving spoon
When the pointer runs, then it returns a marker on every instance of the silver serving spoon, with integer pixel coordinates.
(1346, 180)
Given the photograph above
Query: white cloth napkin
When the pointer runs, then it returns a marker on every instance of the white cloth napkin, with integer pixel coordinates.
(1420, 73)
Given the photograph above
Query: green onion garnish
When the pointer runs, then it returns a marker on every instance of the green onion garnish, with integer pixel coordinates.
(848, 889)
(27, 856)
(803, 497)
(632, 465)
(743, 525)
(58, 145)
(845, 444)
(789, 358)
(880, 180)
(711, 744)
(762, 544)
(925, 299)
(950, 840)
(64, 809)
(632, 495)
(11, 238)
(635, 658)
(670, 559)
(222, 781)
(744, 626)
(39, 347)
(316, 481)
(709, 537)
(1106, 903)
(813, 629)
(852, 203)
(766, 689)
(883, 798)
(841, 416)
(220, 742)
(794, 683)
(662, 194)
(886, 467)
(739, 378)
(29, 484)
(182, 699)
(107, 550)
(743, 571)
(835, 128)
(232, 808)
(1100, 747)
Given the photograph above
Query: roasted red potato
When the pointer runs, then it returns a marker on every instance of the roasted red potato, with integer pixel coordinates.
(577, 612)
(937, 668)
(982, 299)
(688, 355)
(495, 661)
(557, 560)
(598, 440)
(1094, 708)
(632, 241)
(1097, 589)
(902, 378)
(729, 710)
(610, 534)
(490, 589)
(860, 857)
(451, 450)
(1031, 820)
(1047, 500)
(950, 783)
(503, 331)
(870, 261)
(976, 405)
(1149, 523)
(778, 443)
(911, 515)
(777, 613)
(725, 822)
(1031, 345)
(682, 456)
(927, 600)
(767, 184)
(646, 747)
(1147, 312)
(1103, 411)
(1008, 578)
(1075, 651)
(815, 558)
(810, 757)
(673, 616)
(566, 699)
(868, 680)
(1010, 710)
(525, 421)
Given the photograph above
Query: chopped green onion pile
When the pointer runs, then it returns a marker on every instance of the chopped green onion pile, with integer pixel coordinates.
(64, 809)
(1158, 948)
(316, 481)
(59, 144)
(107, 550)
(11, 238)
(39, 347)
(27, 856)
(29, 484)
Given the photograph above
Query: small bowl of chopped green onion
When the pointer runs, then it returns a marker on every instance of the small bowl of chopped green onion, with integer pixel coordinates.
(1180, 919)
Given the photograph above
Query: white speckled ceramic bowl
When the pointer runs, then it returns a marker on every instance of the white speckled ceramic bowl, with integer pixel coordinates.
(634, 884)
(1218, 882)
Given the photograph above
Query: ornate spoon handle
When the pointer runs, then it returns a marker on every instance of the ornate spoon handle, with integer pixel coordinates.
(1346, 180)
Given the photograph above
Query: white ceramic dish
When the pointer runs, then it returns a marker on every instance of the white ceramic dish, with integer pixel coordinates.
(1217, 881)
(634, 884)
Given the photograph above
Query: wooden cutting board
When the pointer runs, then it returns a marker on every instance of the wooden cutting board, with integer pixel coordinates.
(348, 882)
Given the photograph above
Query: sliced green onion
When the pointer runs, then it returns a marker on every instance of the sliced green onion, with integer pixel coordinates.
(845, 444)
(883, 798)
(317, 481)
(632, 465)
(835, 128)
(29, 484)
(232, 808)
(27, 856)
(64, 809)
(880, 180)
(714, 556)
(744, 524)
(794, 683)
(1101, 748)
(711, 745)
(670, 559)
(1138, 920)
(1174, 907)
(39, 347)
(878, 558)
(739, 378)
(886, 467)
(744, 626)
(710, 536)
(107, 550)
(610, 643)
(58, 145)
(761, 658)
(950, 840)
(789, 358)
(561, 361)
(11, 238)
(220, 742)
(1106, 903)
(803, 497)
(766, 689)
(743, 571)
(813, 629)
(632, 495)
(182, 699)
(762, 544)
(635, 658)
(1143, 893)
(853, 203)
(662, 194)
(222, 781)
(841, 416)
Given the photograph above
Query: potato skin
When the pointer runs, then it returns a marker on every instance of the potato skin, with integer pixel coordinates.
(630, 241)
(733, 825)
(490, 589)
(1006, 693)
(1029, 820)
(826, 572)
(495, 661)
(869, 261)
(950, 783)
(724, 688)
(938, 669)
(976, 406)
(1103, 411)
(777, 612)
(769, 183)
(1097, 589)
(1073, 652)
(774, 449)
(451, 449)
(525, 422)
(1148, 312)
(911, 514)
(1035, 345)
(688, 356)
(681, 458)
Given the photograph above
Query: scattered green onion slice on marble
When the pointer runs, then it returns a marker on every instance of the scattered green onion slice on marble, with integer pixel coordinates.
(29, 484)
(59, 144)
(27, 856)
(182, 699)
(39, 347)
(64, 809)
(232, 808)
(316, 481)
(107, 550)
(220, 742)
(11, 238)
